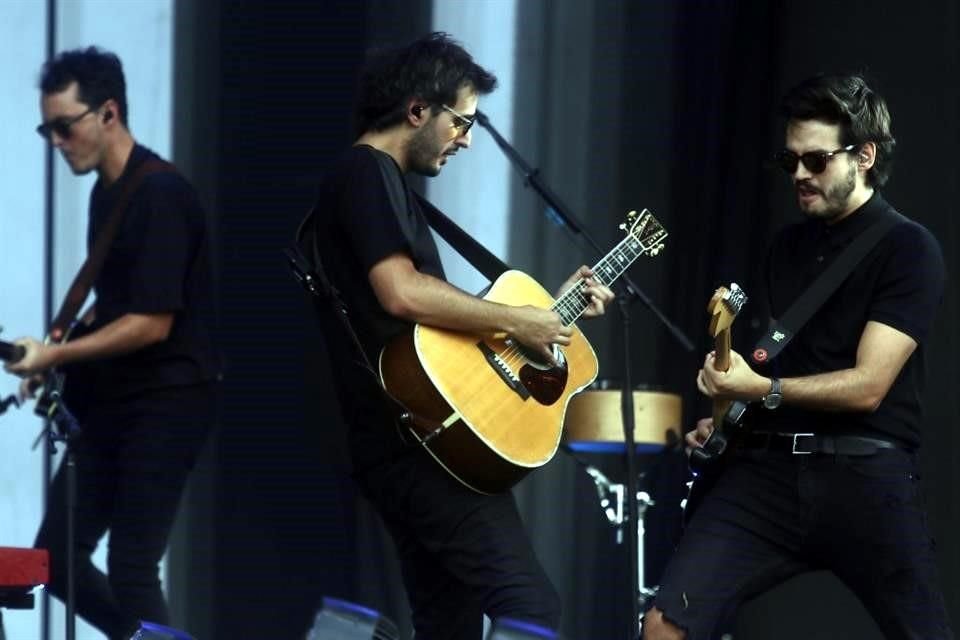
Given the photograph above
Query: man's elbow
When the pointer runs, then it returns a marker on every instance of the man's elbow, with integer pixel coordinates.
(157, 329)
(398, 306)
(871, 400)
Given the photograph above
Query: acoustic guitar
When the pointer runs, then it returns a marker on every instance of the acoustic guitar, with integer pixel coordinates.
(495, 409)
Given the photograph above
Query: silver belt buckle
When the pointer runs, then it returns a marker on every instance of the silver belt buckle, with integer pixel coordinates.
(794, 448)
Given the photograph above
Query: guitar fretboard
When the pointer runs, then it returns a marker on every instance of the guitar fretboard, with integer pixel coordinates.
(572, 303)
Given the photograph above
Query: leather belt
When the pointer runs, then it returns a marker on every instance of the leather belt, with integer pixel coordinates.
(810, 443)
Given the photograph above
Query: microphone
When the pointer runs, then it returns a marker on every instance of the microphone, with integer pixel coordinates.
(11, 352)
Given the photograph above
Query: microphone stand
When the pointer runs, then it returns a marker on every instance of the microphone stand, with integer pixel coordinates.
(630, 292)
(64, 427)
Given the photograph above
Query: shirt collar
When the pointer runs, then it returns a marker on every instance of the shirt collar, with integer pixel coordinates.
(852, 225)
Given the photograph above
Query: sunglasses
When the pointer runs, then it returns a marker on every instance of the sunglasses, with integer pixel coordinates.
(814, 161)
(62, 126)
(460, 121)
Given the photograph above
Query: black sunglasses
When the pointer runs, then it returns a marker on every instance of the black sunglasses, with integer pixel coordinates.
(62, 126)
(814, 161)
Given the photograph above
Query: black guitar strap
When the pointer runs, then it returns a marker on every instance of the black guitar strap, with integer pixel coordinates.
(782, 331)
(475, 253)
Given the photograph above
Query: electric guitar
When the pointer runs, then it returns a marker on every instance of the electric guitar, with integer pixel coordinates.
(56, 392)
(491, 410)
(723, 308)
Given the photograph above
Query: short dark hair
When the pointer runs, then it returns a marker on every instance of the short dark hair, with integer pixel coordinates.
(846, 100)
(98, 74)
(432, 68)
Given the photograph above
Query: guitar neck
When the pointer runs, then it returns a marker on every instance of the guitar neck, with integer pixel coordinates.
(572, 303)
(721, 346)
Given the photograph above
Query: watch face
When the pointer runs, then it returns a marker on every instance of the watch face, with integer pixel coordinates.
(772, 400)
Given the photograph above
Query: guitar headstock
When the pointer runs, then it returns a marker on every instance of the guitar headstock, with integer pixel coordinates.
(646, 230)
(724, 306)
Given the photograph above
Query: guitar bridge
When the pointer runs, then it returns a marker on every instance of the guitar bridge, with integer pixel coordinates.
(503, 370)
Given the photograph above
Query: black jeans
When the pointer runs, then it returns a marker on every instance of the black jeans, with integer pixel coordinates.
(462, 554)
(772, 515)
(132, 461)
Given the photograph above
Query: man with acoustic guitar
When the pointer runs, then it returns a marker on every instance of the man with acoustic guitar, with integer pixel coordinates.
(141, 376)
(462, 553)
(825, 474)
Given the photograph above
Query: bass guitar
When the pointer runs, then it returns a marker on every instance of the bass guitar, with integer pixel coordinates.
(496, 410)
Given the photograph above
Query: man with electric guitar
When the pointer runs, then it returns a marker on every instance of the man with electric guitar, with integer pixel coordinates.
(463, 553)
(822, 473)
(138, 368)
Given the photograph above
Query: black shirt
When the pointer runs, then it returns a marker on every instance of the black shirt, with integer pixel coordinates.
(365, 212)
(899, 284)
(158, 263)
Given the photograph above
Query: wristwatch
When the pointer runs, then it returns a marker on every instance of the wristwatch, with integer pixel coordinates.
(773, 399)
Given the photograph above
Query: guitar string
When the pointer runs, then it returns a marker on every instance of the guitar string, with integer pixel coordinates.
(513, 355)
(616, 261)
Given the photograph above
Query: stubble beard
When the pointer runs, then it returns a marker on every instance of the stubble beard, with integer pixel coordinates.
(423, 154)
(836, 198)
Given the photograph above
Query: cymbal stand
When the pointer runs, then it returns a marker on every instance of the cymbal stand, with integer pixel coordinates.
(612, 500)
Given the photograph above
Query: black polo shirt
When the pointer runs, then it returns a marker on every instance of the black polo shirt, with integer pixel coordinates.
(365, 212)
(899, 284)
(158, 263)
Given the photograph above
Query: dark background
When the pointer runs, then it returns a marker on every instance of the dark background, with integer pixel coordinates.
(624, 105)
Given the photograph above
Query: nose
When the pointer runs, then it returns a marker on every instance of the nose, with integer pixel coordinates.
(56, 140)
(464, 140)
(801, 173)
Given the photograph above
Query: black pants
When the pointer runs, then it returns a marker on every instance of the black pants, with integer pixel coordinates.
(462, 554)
(132, 461)
(771, 516)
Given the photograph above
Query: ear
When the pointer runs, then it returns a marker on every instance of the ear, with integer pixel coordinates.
(867, 156)
(415, 112)
(111, 112)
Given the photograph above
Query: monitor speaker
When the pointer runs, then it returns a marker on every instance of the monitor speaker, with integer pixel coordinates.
(342, 620)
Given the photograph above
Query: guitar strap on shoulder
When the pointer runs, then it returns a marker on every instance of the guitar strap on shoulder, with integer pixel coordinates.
(313, 277)
(475, 253)
(783, 330)
(87, 275)
(326, 297)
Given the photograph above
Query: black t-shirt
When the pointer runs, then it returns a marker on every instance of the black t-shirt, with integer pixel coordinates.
(899, 284)
(365, 212)
(158, 263)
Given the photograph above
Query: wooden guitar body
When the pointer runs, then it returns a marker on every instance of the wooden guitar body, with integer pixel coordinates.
(488, 411)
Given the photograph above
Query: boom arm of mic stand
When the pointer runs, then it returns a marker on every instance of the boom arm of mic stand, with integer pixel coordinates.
(532, 178)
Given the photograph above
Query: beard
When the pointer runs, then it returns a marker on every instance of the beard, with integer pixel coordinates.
(423, 152)
(836, 198)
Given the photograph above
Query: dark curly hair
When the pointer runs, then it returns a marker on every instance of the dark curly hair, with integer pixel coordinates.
(848, 101)
(98, 74)
(432, 68)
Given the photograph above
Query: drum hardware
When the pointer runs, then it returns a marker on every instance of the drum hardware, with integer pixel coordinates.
(593, 425)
